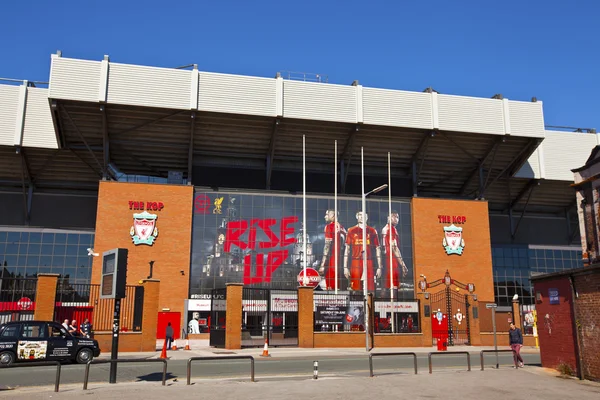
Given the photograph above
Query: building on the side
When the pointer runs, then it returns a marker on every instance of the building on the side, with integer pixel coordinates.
(199, 176)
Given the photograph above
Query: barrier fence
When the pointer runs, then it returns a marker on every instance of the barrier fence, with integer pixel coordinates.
(126, 360)
(492, 351)
(43, 364)
(448, 353)
(189, 364)
(252, 367)
(414, 355)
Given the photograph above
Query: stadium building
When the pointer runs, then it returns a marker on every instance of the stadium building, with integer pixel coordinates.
(200, 176)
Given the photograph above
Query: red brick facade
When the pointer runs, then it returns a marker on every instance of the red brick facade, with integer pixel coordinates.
(430, 258)
(587, 311)
(555, 324)
(558, 324)
(172, 247)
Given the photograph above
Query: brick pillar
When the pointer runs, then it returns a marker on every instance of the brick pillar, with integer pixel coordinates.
(426, 322)
(474, 327)
(45, 297)
(306, 317)
(233, 316)
(516, 314)
(150, 314)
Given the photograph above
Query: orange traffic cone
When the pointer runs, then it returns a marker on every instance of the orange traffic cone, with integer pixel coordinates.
(163, 353)
(174, 345)
(265, 352)
(187, 345)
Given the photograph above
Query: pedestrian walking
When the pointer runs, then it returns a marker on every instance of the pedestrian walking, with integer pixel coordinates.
(516, 342)
(169, 335)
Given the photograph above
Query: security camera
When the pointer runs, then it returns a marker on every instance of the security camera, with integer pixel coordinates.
(91, 253)
(515, 297)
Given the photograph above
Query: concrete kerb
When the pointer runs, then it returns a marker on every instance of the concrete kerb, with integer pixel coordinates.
(295, 352)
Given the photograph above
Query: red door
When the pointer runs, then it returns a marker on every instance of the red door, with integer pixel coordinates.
(163, 319)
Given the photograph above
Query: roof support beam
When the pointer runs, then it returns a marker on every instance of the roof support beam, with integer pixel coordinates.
(531, 187)
(45, 166)
(444, 134)
(271, 154)
(140, 162)
(511, 164)
(99, 173)
(25, 179)
(415, 158)
(492, 150)
(147, 123)
(191, 149)
(82, 138)
(347, 156)
(532, 183)
(105, 143)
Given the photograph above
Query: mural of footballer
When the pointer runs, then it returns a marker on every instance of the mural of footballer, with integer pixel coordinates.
(333, 231)
(390, 229)
(354, 248)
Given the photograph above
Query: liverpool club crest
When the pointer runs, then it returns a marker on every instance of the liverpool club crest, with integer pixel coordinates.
(453, 241)
(144, 229)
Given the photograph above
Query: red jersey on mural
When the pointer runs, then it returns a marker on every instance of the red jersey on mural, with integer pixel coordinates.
(392, 249)
(334, 240)
(354, 249)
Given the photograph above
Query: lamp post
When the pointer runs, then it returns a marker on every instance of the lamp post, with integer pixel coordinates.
(364, 240)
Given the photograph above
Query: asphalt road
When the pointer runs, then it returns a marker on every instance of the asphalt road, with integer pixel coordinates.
(240, 369)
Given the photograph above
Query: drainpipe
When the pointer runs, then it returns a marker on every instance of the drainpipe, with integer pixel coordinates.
(578, 353)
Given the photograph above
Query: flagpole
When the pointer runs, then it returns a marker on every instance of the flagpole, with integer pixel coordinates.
(364, 247)
(390, 235)
(304, 205)
(335, 222)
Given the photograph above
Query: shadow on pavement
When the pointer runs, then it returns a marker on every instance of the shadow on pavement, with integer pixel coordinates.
(155, 377)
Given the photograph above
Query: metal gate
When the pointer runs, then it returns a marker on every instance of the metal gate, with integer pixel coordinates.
(269, 315)
(218, 311)
(456, 308)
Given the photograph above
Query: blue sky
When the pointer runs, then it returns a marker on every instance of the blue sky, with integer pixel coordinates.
(548, 49)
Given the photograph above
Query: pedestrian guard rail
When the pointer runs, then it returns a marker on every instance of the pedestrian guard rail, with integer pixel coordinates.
(189, 364)
(491, 351)
(42, 364)
(447, 353)
(414, 355)
(124, 360)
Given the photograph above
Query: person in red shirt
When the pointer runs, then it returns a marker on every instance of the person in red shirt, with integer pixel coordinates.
(393, 249)
(354, 249)
(333, 231)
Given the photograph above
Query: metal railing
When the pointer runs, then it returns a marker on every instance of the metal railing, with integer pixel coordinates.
(390, 354)
(189, 364)
(17, 294)
(449, 352)
(43, 364)
(491, 351)
(125, 360)
(69, 296)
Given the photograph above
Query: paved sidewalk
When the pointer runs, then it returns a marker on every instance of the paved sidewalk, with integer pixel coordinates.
(529, 382)
(292, 352)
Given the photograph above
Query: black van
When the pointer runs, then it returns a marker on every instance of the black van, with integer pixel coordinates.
(22, 341)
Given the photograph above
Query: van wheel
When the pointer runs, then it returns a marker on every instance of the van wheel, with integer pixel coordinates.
(6, 358)
(84, 356)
